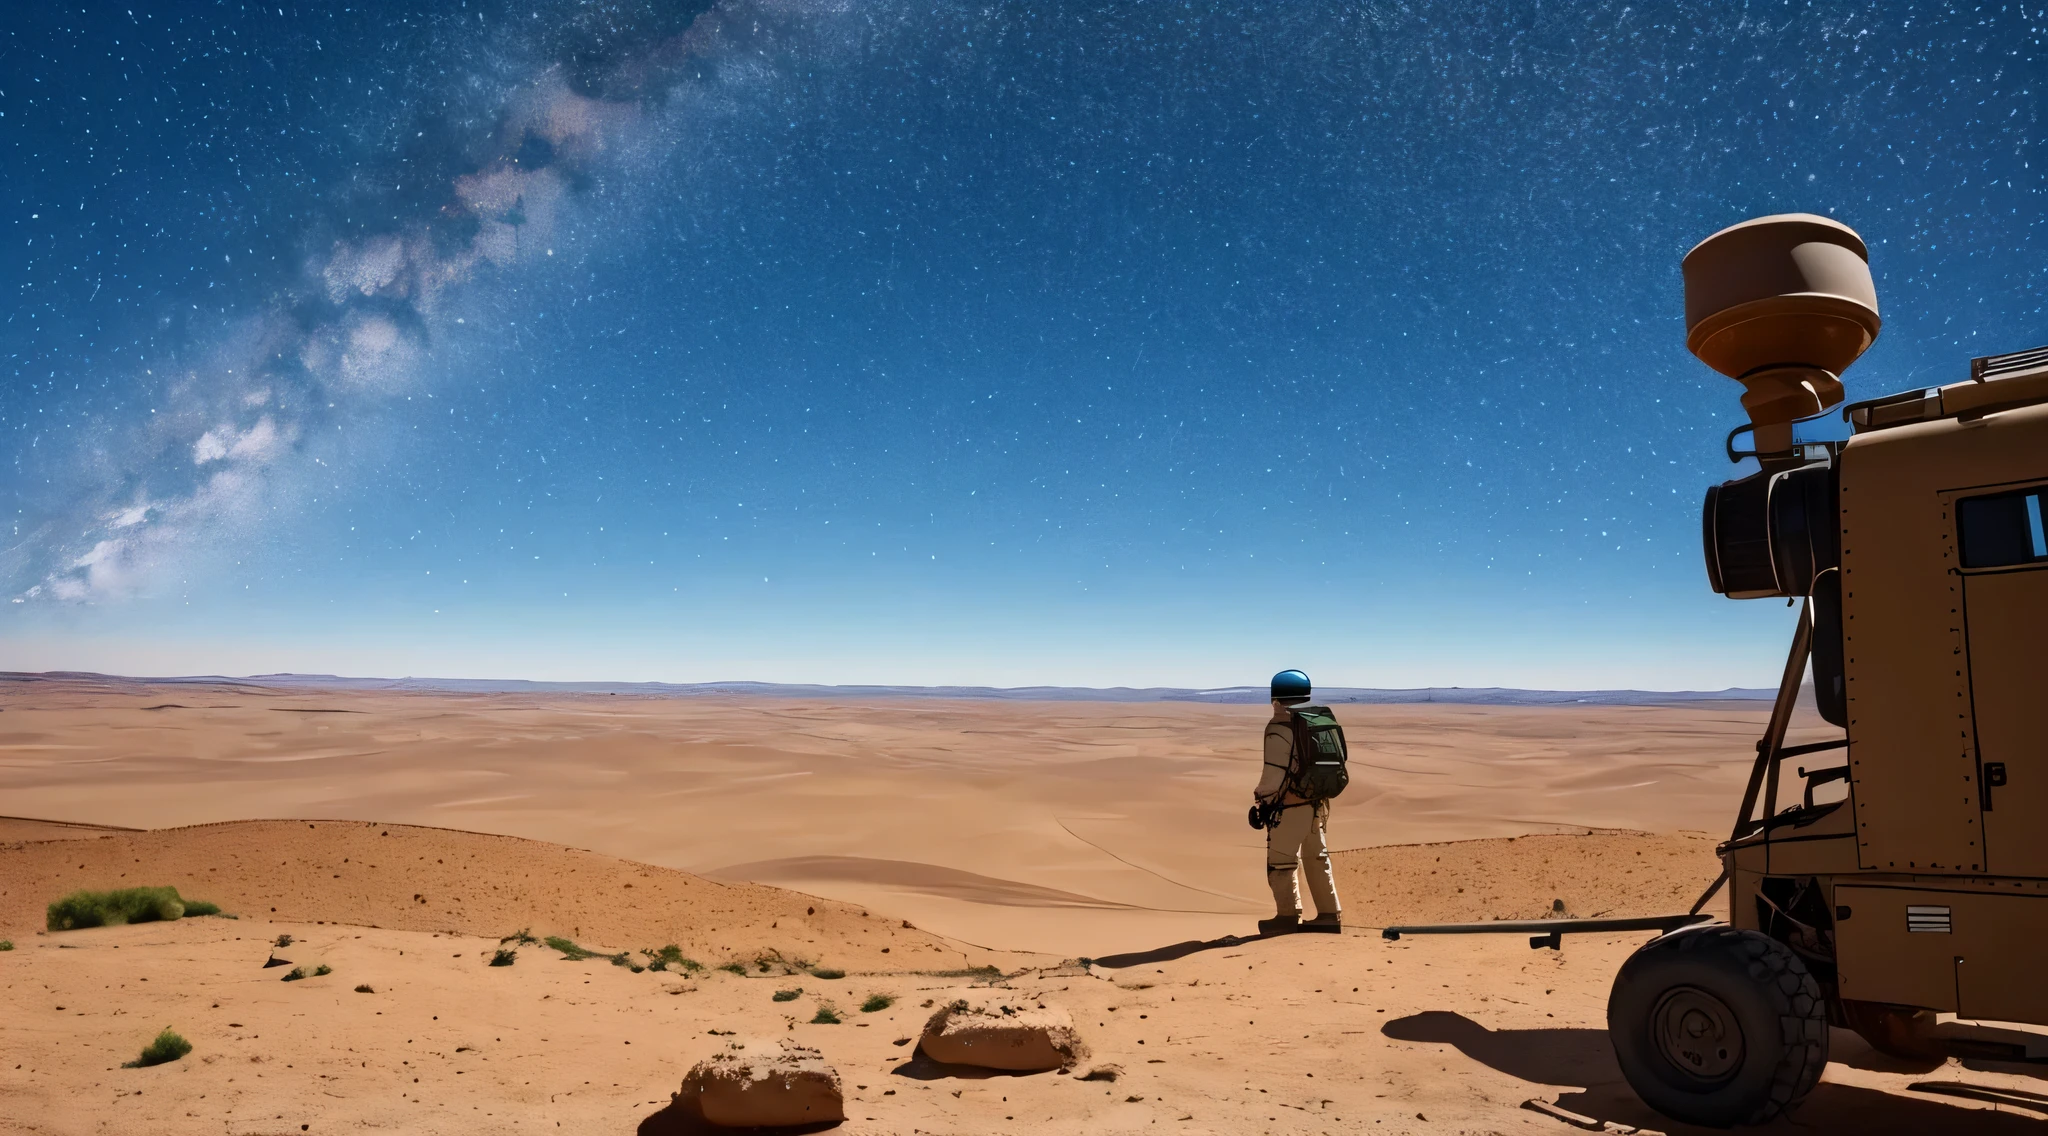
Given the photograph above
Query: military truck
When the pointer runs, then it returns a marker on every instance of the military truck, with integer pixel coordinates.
(1917, 551)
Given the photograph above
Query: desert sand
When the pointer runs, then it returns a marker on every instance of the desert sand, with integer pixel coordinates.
(1093, 856)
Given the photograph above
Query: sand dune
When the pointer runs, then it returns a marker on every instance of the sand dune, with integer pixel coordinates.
(388, 876)
(904, 875)
(28, 828)
(1590, 876)
(1138, 809)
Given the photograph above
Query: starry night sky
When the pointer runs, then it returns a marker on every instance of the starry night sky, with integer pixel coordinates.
(1105, 344)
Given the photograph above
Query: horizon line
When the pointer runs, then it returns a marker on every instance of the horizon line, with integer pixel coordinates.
(1036, 692)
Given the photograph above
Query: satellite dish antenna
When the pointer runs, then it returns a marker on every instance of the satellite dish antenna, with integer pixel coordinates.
(1782, 304)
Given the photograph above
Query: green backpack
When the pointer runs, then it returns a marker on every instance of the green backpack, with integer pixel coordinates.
(1317, 772)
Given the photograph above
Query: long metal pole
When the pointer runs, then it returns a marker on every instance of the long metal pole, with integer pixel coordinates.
(1764, 774)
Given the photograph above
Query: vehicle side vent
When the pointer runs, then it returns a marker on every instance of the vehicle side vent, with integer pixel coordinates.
(2012, 363)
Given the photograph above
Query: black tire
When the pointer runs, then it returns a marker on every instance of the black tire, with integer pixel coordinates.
(1718, 1026)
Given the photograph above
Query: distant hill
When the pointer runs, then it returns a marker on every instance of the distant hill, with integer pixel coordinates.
(1464, 695)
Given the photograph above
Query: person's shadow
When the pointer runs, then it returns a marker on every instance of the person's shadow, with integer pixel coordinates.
(1171, 951)
(1182, 950)
(1584, 1058)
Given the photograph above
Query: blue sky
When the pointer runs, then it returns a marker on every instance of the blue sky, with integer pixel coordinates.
(877, 342)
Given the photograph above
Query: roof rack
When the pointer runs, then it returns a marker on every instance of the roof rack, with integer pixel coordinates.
(2009, 364)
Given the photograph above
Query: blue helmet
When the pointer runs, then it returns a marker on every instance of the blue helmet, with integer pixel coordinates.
(1290, 686)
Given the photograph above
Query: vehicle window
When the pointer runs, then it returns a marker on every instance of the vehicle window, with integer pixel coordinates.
(2001, 529)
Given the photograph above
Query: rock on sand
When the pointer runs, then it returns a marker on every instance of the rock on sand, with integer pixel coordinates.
(1017, 1036)
(765, 1084)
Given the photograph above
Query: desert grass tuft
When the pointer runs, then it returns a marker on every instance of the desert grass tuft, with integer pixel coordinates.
(569, 949)
(168, 1046)
(671, 958)
(788, 995)
(504, 957)
(83, 909)
(877, 1002)
(769, 962)
(573, 953)
(827, 972)
(827, 1015)
(284, 940)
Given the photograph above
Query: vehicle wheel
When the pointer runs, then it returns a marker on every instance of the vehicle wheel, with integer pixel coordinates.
(1718, 1026)
(1901, 1032)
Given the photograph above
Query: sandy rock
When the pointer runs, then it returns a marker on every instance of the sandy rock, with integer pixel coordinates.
(1016, 1035)
(764, 1084)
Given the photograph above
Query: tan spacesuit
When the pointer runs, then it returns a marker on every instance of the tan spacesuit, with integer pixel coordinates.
(1297, 841)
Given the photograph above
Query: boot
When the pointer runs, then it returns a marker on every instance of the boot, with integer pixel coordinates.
(1280, 925)
(1328, 924)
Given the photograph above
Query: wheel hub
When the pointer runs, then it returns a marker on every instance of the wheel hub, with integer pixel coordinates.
(1698, 1034)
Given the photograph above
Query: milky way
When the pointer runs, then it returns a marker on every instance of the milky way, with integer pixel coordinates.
(373, 298)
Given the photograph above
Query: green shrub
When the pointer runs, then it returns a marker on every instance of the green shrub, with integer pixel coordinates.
(574, 953)
(322, 970)
(827, 1015)
(671, 958)
(83, 909)
(788, 995)
(365, 989)
(299, 972)
(504, 957)
(168, 1046)
(826, 972)
(876, 1002)
(6, 944)
(738, 968)
(284, 940)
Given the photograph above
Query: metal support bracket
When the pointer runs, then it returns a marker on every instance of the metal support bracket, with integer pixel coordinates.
(1549, 932)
